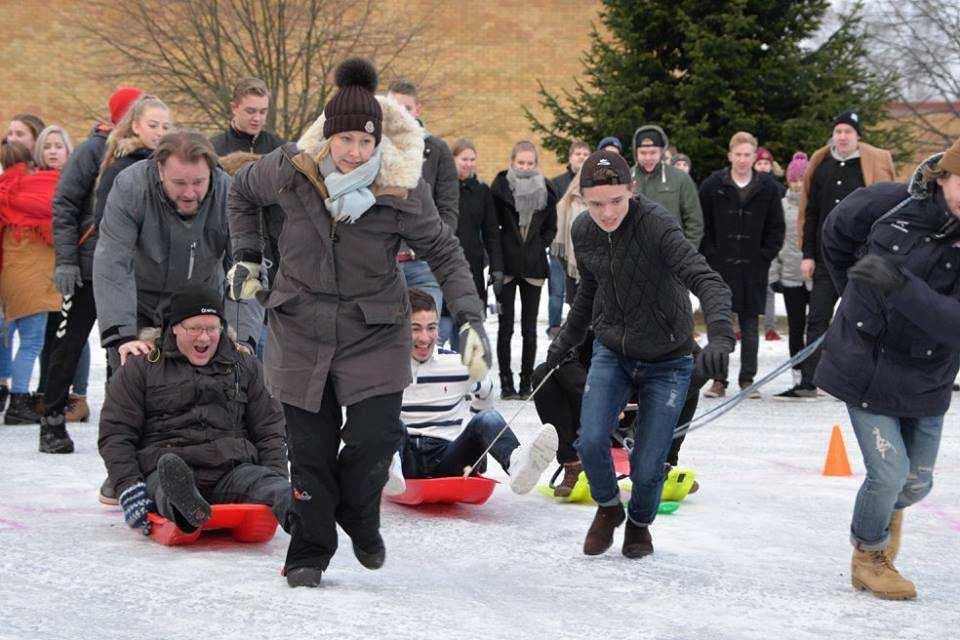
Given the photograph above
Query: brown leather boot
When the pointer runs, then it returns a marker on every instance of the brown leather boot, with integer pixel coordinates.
(896, 527)
(637, 541)
(571, 473)
(600, 535)
(77, 409)
(872, 571)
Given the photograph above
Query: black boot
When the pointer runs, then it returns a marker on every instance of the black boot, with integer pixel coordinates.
(507, 390)
(637, 541)
(53, 435)
(21, 410)
(526, 389)
(374, 557)
(178, 485)
(304, 576)
(4, 396)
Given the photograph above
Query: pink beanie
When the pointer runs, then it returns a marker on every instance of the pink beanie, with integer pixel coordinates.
(797, 167)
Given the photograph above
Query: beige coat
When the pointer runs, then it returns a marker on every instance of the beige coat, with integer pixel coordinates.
(26, 277)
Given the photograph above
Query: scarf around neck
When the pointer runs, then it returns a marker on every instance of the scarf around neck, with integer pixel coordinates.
(349, 193)
(836, 154)
(529, 189)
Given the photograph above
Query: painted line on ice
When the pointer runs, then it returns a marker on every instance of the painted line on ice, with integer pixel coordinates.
(10, 524)
(939, 513)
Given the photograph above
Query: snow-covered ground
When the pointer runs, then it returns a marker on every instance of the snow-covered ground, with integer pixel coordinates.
(760, 552)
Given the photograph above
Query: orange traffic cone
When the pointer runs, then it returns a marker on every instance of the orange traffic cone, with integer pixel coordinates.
(837, 463)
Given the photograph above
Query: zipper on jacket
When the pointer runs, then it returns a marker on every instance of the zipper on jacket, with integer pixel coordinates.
(333, 231)
(193, 251)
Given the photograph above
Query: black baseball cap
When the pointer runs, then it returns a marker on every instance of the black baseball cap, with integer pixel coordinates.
(604, 167)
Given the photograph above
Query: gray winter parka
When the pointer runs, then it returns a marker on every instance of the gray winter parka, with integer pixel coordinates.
(339, 305)
(146, 252)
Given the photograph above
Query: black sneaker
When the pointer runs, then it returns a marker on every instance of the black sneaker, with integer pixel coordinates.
(304, 577)
(53, 435)
(798, 392)
(21, 410)
(176, 480)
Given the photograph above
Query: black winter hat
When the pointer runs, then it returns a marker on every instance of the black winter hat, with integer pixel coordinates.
(354, 107)
(194, 301)
(602, 168)
(851, 118)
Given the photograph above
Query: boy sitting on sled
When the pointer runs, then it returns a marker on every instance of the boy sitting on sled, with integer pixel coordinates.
(192, 423)
(450, 420)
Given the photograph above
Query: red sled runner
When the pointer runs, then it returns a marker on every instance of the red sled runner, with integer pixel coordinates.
(470, 490)
(246, 523)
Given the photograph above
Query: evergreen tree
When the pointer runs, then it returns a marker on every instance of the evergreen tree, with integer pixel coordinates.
(705, 69)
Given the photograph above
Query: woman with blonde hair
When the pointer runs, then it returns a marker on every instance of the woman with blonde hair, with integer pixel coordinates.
(527, 214)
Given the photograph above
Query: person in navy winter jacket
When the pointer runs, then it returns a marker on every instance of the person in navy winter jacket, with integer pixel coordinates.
(893, 351)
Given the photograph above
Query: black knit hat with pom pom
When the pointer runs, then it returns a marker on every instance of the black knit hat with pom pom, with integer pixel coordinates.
(354, 107)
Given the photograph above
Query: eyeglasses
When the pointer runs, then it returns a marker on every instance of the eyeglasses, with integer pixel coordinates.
(194, 332)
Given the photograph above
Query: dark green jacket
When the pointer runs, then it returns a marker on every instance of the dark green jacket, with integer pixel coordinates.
(675, 191)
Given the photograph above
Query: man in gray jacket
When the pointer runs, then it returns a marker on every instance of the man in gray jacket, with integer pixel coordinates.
(164, 227)
(663, 183)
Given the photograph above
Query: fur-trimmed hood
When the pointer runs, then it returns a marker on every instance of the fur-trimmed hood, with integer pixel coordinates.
(233, 162)
(401, 145)
(919, 186)
(126, 146)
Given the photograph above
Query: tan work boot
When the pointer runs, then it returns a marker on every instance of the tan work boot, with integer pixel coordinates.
(77, 409)
(571, 473)
(872, 571)
(893, 544)
(717, 390)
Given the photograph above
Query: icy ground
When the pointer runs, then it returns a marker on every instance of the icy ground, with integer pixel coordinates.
(760, 552)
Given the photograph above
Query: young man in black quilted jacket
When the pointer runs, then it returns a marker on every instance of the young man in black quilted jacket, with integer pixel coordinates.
(637, 270)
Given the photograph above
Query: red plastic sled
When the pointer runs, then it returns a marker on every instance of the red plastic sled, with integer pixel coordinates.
(621, 461)
(470, 490)
(246, 523)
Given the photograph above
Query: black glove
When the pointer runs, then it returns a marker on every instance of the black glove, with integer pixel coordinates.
(712, 363)
(879, 273)
(136, 504)
(496, 279)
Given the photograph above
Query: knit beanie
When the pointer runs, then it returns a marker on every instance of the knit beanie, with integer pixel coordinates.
(951, 159)
(610, 141)
(121, 100)
(195, 301)
(354, 107)
(797, 167)
(764, 154)
(851, 118)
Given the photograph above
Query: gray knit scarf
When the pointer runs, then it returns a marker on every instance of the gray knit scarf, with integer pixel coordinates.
(529, 190)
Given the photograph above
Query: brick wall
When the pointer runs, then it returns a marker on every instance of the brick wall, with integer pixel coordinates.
(491, 56)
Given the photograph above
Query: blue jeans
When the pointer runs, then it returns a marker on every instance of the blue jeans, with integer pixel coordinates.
(82, 375)
(899, 454)
(662, 389)
(555, 288)
(448, 333)
(419, 276)
(428, 457)
(31, 331)
(262, 342)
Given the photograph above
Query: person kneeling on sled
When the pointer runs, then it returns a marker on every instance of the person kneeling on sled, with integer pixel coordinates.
(439, 440)
(634, 258)
(192, 424)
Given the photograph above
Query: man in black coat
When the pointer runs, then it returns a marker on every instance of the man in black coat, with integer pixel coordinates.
(192, 423)
(893, 350)
(250, 106)
(637, 272)
(743, 233)
(440, 174)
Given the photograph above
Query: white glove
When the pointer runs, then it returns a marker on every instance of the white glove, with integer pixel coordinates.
(475, 351)
(243, 280)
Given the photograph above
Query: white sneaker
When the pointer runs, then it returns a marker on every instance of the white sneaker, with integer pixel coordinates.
(528, 461)
(395, 482)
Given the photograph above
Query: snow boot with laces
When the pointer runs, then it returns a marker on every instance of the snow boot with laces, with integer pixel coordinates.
(872, 571)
